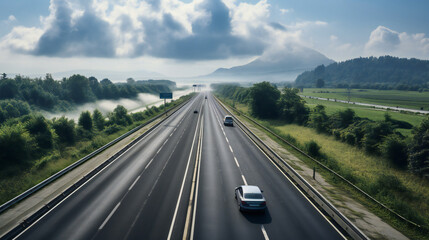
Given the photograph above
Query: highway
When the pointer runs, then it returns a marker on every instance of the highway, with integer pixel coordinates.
(144, 194)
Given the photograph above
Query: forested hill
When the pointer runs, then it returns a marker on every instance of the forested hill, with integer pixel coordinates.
(380, 73)
(21, 94)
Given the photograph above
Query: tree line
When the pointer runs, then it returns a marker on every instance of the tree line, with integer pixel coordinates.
(379, 138)
(22, 93)
(384, 73)
(25, 140)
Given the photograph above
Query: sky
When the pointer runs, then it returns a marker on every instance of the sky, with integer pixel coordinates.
(183, 38)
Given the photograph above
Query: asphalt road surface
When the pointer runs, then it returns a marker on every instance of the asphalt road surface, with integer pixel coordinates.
(144, 194)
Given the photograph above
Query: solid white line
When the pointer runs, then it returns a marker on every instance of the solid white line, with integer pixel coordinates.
(230, 148)
(110, 215)
(236, 162)
(265, 233)
(244, 179)
(134, 183)
(184, 179)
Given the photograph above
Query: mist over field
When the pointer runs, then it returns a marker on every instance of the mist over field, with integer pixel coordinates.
(140, 103)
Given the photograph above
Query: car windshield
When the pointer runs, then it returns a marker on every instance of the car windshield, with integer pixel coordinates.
(253, 195)
(228, 118)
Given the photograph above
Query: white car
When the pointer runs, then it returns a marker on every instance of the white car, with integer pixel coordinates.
(250, 198)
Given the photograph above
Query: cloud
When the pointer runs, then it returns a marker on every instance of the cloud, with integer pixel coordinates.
(11, 18)
(384, 41)
(286, 11)
(172, 29)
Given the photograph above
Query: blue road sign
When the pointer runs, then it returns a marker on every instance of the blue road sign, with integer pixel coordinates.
(166, 95)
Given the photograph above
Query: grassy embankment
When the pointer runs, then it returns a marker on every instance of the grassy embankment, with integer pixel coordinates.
(398, 189)
(370, 113)
(21, 180)
(394, 98)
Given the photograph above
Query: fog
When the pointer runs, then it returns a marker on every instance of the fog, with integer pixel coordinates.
(140, 103)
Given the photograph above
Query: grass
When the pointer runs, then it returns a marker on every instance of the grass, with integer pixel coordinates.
(394, 98)
(398, 189)
(370, 113)
(16, 180)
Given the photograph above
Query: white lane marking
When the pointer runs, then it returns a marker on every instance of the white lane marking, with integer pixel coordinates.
(227, 140)
(296, 187)
(265, 233)
(110, 215)
(184, 177)
(159, 150)
(236, 162)
(108, 165)
(230, 148)
(171, 134)
(244, 179)
(134, 183)
(148, 164)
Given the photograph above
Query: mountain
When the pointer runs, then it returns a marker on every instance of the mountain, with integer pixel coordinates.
(380, 73)
(278, 66)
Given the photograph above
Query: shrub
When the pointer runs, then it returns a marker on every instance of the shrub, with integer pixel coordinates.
(65, 129)
(313, 149)
(395, 150)
(112, 129)
(85, 120)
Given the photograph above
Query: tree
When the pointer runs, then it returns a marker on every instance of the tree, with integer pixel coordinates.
(65, 129)
(85, 120)
(320, 83)
(98, 119)
(39, 129)
(395, 150)
(131, 81)
(120, 116)
(16, 145)
(292, 106)
(3, 76)
(319, 119)
(419, 149)
(79, 89)
(264, 98)
(8, 88)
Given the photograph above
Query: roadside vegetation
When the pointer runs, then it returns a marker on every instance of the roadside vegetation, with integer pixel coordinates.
(392, 98)
(20, 95)
(369, 151)
(32, 148)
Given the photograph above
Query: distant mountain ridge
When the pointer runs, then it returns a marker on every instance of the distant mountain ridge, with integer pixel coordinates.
(385, 72)
(278, 66)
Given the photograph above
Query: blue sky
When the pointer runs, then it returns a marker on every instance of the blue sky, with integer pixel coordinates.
(171, 36)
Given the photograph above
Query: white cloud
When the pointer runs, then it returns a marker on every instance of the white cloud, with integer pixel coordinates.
(11, 18)
(286, 11)
(384, 41)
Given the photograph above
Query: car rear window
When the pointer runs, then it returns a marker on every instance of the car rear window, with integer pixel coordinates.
(253, 195)
(228, 118)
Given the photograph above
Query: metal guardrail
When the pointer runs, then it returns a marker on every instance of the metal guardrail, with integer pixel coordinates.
(333, 172)
(69, 190)
(330, 209)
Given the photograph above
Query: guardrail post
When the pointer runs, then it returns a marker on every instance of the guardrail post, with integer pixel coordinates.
(314, 173)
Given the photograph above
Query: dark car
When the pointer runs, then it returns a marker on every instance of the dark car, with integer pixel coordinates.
(195, 111)
(250, 198)
(228, 121)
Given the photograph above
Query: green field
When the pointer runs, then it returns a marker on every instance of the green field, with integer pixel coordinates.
(394, 98)
(368, 112)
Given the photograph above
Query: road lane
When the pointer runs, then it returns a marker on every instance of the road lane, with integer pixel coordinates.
(129, 198)
(230, 159)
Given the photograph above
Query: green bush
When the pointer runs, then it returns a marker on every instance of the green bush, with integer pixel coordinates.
(313, 149)
(112, 129)
(395, 150)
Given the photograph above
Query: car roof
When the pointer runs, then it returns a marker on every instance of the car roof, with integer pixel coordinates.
(228, 116)
(250, 189)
